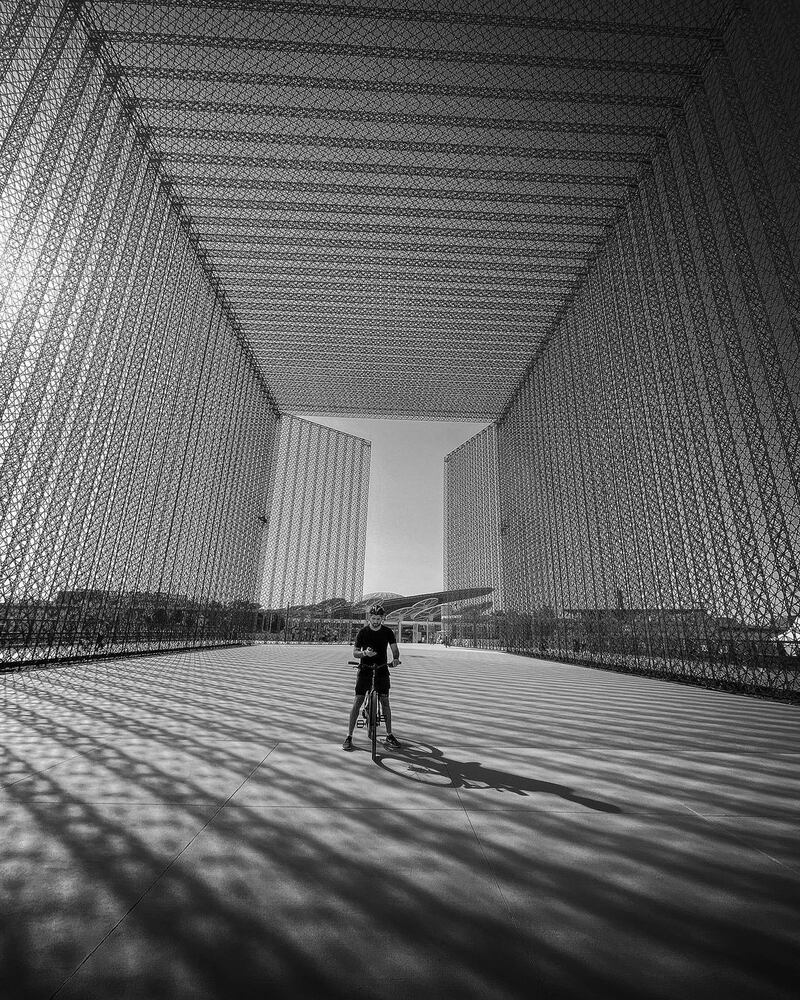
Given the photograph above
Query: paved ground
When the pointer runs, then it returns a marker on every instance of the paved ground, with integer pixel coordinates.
(187, 826)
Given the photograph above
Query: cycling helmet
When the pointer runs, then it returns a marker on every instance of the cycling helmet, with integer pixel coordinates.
(376, 609)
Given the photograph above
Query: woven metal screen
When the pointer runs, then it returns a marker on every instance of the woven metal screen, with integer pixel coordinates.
(318, 522)
(136, 431)
(422, 185)
(472, 556)
(649, 461)
(579, 219)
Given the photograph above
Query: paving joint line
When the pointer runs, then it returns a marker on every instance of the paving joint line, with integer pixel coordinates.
(487, 862)
(158, 878)
(715, 821)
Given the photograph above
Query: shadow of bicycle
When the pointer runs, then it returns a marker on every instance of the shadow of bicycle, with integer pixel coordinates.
(427, 764)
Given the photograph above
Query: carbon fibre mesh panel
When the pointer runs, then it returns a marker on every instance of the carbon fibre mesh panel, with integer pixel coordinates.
(136, 429)
(424, 186)
(318, 523)
(649, 461)
(472, 525)
(579, 220)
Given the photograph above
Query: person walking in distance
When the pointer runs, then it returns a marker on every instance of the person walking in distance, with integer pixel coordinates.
(371, 646)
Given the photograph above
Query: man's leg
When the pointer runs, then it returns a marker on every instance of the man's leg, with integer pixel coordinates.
(387, 713)
(358, 701)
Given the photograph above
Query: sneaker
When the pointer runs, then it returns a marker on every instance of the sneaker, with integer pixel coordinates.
(390, 741)
(348, 743)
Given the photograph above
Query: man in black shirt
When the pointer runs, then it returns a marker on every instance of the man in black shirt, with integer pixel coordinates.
(371, 646)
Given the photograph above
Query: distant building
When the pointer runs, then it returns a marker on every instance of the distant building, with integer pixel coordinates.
(317, 526)
(414, 619)
(472, 555)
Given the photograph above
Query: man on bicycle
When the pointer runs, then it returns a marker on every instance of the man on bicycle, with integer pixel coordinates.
(371, 646)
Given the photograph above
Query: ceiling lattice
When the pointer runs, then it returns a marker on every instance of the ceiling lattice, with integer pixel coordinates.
(400, 203)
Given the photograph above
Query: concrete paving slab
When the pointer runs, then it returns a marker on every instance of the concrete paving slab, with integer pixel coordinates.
(138, 770)
(188, 826)
(71, 871)
(617, 781)
(170, 696)
(776, 839)
(643, 906)
(26, 757)
(302, 903)
(511, 701)
(302, 775)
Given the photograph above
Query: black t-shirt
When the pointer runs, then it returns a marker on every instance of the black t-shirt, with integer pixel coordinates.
(378, 639)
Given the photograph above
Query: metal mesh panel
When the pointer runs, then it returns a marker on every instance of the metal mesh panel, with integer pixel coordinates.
(136, 430)
(472, 556)
(433, 180)
(318, 521)
(649, 462)
(581, 220)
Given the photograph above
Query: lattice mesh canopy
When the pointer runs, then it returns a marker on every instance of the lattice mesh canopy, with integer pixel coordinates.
(579, 219)
(413, 190)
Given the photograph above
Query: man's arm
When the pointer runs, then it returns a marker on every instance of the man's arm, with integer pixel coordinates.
(395, 653)
(358, 652)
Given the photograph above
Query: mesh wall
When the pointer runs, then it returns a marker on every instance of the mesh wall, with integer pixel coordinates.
(318, 521)
(136, 431)
(649, 461)
(472, 556)
(581, 219)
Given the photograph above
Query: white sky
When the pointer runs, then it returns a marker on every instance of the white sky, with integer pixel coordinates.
(404, 527)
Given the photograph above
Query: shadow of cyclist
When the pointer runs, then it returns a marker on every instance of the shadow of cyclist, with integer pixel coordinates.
(427, 764)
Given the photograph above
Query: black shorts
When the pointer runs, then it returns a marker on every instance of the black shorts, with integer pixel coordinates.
(364, 681)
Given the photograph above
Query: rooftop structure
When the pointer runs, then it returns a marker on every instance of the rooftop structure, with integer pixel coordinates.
(575, 220)
(440, 181)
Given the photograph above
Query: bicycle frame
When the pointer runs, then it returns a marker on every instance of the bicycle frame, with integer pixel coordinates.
(371, 706)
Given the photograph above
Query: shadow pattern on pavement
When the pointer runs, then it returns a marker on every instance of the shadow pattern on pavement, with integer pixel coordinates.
(136, 877)
(429, 764)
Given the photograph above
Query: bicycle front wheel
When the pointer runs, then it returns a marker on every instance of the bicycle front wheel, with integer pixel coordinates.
(373, 721)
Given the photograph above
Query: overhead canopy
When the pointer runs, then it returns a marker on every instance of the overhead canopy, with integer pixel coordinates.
(416, 193)
(408, 608)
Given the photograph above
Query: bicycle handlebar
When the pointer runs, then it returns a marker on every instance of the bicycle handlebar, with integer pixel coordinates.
(377, 666)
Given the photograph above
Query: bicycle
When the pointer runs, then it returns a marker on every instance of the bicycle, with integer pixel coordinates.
(371, 716)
